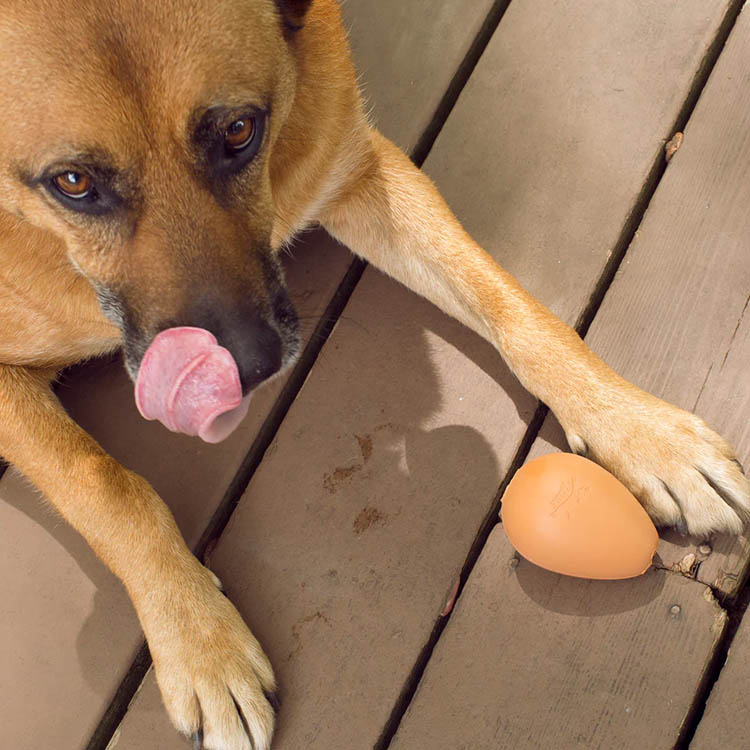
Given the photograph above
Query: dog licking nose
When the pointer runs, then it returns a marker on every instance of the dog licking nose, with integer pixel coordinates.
(191, 385)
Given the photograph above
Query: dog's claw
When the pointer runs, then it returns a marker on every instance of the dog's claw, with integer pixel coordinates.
(198, 740)
(681, 524)
(245, 726)
(683, 473)
(274, 700)
(732, 502)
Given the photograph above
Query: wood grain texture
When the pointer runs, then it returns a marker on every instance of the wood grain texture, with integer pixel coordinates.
(348, 542)
(531, 659)
(726, 107)
(726, 723)
(405, 76)
(546, 153)
(676, 321)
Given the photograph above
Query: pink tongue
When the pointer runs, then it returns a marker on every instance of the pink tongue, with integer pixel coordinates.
(191, 385)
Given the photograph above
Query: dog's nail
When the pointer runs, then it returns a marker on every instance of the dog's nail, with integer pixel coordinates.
(245, 725)
(198, 740)
(723, 494)
(680, 525)
(742, 468)
(273, 699)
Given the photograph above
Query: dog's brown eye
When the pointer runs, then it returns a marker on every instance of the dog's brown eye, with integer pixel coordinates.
(240, 134)
(74, 184)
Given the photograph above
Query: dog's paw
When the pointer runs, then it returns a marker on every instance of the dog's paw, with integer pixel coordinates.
(683, 473)
(216, 683)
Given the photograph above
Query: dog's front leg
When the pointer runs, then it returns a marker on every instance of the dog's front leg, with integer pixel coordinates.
(214, 678)
(683, 473)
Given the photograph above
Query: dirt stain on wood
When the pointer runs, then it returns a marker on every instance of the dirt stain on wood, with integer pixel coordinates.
(366, 518)
(332, 482)
(297, 631)
(365, 446)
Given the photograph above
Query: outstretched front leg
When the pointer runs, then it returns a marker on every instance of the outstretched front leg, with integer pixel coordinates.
(683, 473)
(214, 678)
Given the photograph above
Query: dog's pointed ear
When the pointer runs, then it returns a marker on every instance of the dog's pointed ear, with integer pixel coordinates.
(293, 12)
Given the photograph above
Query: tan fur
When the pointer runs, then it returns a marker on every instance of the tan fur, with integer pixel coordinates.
(125, 75)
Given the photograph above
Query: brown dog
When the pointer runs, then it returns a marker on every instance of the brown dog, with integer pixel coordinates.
(154, 158)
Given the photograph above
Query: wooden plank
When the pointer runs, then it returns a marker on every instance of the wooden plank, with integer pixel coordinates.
(424, 41)
(67, 585)
(676, 321)
(546, 153)
(718, 136)
(61, 608)
(600, 674)
(349, 540)
(531, 659)
(726, 722)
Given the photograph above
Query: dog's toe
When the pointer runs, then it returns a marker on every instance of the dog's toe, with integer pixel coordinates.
(236, 718)
(683, 473)
(216, 682)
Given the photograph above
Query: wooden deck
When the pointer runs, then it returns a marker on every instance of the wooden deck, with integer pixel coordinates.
(368, 488)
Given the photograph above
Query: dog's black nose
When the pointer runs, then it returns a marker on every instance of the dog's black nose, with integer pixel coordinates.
(256, 348)
(253, 342)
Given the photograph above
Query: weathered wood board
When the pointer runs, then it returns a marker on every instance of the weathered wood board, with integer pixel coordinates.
(726, 723)
(511, 672)
(531, 659)
(676, 320)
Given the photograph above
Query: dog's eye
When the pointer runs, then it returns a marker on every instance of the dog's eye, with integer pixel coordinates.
(74, 185)
(229, 141)
(239, 135)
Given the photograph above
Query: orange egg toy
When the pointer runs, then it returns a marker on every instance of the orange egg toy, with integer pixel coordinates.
(567, 514)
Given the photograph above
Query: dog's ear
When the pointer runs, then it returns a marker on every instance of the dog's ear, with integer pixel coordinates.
(293, 12)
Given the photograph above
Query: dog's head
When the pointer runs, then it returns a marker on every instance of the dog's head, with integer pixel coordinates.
(140, 133)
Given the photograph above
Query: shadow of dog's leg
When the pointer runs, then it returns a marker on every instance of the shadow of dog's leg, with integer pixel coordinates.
(212, 672)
